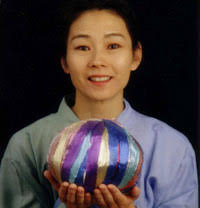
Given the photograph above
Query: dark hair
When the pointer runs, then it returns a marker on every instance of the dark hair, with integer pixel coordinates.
(70, 10)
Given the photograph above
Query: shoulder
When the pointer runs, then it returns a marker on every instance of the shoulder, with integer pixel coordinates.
(35, 128)
(160, 132)
(34, 140)
(156, 136)
(40, 133)
(31, 138)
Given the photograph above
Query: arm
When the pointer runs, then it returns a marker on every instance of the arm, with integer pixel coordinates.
(172, 179)
(182, 189)
(21, 185)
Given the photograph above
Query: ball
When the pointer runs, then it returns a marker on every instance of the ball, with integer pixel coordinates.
(95, 151)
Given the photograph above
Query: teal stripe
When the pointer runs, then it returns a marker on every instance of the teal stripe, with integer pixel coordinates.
(80, 158)
(134, 154)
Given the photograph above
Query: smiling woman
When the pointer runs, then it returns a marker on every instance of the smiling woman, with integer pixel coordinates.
(99, 59)
(100, 50)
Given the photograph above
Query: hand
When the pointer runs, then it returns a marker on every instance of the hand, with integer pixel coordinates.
(71, 195)
(109, 196)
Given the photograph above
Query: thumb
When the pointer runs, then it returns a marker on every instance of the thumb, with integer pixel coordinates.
(135, 192)
(51, 179)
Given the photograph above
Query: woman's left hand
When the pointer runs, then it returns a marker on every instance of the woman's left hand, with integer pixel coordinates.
(109, 196)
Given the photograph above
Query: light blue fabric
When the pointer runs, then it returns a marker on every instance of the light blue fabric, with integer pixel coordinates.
(57, 204)
(169, 176)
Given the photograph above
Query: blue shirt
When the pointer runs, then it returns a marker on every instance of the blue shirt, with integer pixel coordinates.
(169, 175)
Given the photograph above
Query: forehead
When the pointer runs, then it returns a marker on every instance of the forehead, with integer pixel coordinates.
(98, 22)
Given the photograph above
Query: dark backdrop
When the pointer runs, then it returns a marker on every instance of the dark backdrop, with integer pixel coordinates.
(32, 83)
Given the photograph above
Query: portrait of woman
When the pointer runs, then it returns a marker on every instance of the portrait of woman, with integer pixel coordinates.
(100, 53)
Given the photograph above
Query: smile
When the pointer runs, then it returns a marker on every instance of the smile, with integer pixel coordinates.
(99, 79)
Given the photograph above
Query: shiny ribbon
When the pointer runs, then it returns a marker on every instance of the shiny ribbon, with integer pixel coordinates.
(96, 151)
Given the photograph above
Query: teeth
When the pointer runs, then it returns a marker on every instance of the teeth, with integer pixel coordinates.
(99, 79)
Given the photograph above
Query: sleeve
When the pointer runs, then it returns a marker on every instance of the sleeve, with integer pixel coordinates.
(59, 204)
(20, 181)
(181, 191)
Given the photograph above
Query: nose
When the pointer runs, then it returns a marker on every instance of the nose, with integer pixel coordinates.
(97, 59)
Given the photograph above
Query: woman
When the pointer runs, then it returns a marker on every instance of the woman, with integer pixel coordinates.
(102, 50)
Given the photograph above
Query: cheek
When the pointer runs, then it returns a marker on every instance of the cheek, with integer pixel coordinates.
(73, 65)
(124, 68)
(76, 70)
(124, 61)
(76, 62)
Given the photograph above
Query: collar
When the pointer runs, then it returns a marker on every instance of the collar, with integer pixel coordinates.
(67, 114)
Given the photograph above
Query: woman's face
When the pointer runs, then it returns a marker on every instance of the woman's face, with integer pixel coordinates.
(99, 55)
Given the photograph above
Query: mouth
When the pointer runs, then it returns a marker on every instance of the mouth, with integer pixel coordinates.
(100, 78)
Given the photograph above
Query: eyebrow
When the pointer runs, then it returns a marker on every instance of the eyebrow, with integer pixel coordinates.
(106, 36)
(79, 36)
(114, 34)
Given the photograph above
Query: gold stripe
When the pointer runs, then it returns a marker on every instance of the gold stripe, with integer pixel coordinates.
(103, 160)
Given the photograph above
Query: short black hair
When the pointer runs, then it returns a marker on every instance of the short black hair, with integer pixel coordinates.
(70, 10)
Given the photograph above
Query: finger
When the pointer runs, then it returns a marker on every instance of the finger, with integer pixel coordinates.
(135, 192)
(63, 191)
(98, 198)
(94, 201)
(121, 199)
(108, 198)
(71, 195)
(88, 199)
(117, 195)
(80, 195)
(50, 178)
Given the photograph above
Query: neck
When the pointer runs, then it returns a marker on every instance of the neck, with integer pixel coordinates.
(108, 109)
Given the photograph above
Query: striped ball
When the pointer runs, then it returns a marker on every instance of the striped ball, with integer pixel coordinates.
(95, 151)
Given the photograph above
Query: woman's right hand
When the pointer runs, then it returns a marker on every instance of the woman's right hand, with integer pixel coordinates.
(71, 195)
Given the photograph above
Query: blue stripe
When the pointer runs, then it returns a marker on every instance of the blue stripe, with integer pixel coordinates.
(113, 150)
(80, 158)
(80, 176)
(133, 162)
(117, 136)
(122, 137)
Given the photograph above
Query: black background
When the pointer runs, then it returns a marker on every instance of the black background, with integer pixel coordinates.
(32, 83)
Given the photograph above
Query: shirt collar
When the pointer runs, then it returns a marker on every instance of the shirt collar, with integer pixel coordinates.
(67, 114)
(123, 115)
(128, 117)
(65, 111)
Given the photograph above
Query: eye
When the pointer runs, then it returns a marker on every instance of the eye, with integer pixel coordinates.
(114, 46)
(82, 48)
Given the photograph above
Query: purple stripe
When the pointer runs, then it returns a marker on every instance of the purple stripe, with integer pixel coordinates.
(93, 155)
(75, 148)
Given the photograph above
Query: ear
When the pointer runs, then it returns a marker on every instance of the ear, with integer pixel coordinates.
(64, 65)
(137, 57)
